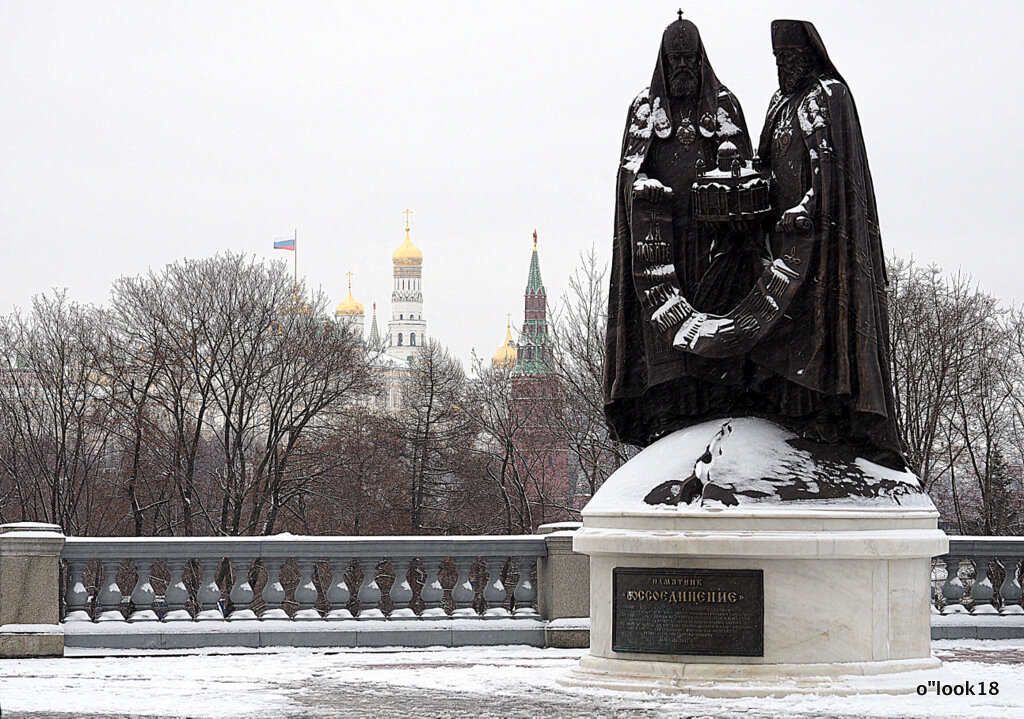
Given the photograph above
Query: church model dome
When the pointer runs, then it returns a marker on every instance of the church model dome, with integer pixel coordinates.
(505, 356)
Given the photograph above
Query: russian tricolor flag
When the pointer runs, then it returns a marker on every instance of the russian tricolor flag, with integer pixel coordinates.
(287, 244)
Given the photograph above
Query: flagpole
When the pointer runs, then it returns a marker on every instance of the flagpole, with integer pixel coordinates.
(295, 259)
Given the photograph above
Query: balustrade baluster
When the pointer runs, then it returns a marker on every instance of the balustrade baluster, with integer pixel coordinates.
(494, 589)
(953, 588)
(143, 594)
(369, 592)
(339, 593)
(463, 592)
(108, 602)
(76, 596)
(176, 595)
(241, 592)
(208, 593)
(981, 591)
(401, 591)
(525, 591)
(1010, 590)
(433, 592)
(273, 593)
(305, 593)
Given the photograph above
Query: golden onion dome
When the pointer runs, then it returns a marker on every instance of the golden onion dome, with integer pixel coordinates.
(297, 306)
(505, 356)
(407, 253)
(349, 308)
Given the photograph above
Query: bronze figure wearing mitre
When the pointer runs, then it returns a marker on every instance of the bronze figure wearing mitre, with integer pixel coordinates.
(662, 255)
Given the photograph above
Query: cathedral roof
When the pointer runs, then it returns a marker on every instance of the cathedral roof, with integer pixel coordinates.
(505, 356)
(349, 308)
(297, 305)
(407, 253)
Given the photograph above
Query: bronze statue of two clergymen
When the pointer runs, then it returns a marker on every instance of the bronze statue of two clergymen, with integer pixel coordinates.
(748, 281)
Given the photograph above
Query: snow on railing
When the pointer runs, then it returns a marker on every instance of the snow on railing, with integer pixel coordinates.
(301, 578)
(965, 580)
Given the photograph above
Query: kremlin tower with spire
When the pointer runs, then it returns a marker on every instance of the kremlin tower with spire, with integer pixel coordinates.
(543, 457)
(534, 356)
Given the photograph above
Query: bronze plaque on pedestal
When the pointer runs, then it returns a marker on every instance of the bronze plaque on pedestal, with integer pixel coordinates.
(709, 612)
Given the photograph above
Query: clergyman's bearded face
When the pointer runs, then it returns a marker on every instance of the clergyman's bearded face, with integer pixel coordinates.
(795, 65)
(684, 74)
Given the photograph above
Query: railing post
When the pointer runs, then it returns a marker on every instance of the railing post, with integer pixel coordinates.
(305, 593)
(108, 602)
(241, 592)
(176, 595)
(273, 593)
(982, 592)
(494, 589)
(401, 591)
(525, 592)
(30, 590)
(208, 592)
(143, 594)
(953, 588)
(76, 596)
(563, 576)
(463, 593)
(338, 594)
(1010, 591)
(563, 586)
(369, 592)
(432, 593)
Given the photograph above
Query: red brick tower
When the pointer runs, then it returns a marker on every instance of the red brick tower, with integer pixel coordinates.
(545, 460)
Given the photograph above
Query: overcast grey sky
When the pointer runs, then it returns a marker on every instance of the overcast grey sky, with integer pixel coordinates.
(133, 134)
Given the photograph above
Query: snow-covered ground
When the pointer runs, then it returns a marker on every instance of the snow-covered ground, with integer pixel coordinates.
(470, 681)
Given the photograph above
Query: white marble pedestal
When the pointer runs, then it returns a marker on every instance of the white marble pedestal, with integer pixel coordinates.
(846, 582)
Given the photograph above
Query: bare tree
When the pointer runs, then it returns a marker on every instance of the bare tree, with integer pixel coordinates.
(500, 423)
(578, 326)
(435, 432)
(318, 369)
(54, 414)
(364, 480)
(982, 415)
(956, 366)
(931, 321)
(234, 379)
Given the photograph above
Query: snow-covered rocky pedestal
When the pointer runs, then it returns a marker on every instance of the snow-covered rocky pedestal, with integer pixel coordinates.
(807, 568)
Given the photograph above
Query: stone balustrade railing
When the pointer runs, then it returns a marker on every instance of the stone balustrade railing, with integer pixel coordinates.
(299, 578)
(300, 591)
(979, 576)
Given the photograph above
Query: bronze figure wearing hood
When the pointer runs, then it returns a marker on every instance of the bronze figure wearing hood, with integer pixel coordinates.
(826, 363)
